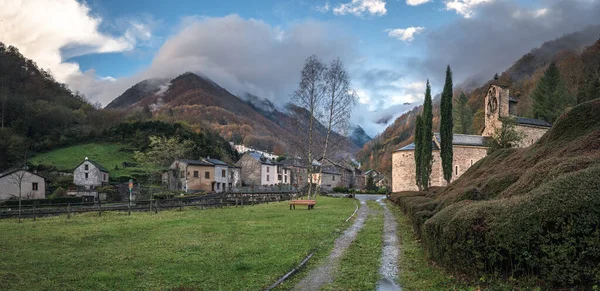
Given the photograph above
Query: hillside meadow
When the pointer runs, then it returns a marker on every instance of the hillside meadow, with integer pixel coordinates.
(245, 248)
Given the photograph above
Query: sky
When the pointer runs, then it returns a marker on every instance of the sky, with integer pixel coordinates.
(390, 48)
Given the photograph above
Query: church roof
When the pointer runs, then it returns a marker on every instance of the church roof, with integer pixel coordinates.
(411, 147)
(531, 121)
(465, 139)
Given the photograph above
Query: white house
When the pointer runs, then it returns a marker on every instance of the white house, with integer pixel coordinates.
(90, 175)
(258, 169)
(221, 175)
(33, 186)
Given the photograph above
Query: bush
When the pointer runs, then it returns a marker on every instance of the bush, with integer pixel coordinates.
(42, 202)
(340, 190)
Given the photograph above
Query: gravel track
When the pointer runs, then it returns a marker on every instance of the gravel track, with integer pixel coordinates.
(390, 253)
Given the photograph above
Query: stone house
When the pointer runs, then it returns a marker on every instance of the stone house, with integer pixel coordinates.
(346, 171)
(235, 177)
(283, 174)
(328, 178)
(256, 169)
(90, 175)
(33, 186)
(190, 176)
(298, 172)
(467, 149)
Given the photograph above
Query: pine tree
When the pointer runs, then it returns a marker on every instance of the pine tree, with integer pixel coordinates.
(418, 150)
(463, 115)
(550, 96)
(426, 139)
(446, 125)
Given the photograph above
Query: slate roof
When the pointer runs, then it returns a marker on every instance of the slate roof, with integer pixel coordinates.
(411, 147)
(292, 162)
(100, 167)
(531, 121)
(465, 139)
(217, 162)
(196, 163)
(259, 157)
(11, 171)
(511, 99)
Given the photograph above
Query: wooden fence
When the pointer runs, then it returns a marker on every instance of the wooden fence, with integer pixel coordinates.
(156, 205)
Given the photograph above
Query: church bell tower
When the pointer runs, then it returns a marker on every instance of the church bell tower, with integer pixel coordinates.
(496, 106)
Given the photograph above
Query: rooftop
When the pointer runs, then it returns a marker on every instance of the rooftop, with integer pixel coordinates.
(532, 121)
(261, 158)
(196, 163)
(465, 139)
(411, 147)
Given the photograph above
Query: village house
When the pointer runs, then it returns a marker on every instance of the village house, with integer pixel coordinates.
(258, 170)
(467, 149)
(90, 175)
(242, 149)
(205, 175)
(380, 180)
(33, 186)
(349, 176)
(297, 171)
(328, 178)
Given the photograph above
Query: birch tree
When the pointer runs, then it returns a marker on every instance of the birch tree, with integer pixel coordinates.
(309, 96)
(338, 103)
(21, 174)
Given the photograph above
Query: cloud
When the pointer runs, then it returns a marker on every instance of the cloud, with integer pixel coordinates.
(464, 7)
(50, 31)
(416, 2)
(480, 46)
(360, 7)
(242, 55)
(323, 9)
(405, 34)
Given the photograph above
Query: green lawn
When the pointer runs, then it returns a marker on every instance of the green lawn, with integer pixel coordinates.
(109, 155)
(359, 267)
(229, 249)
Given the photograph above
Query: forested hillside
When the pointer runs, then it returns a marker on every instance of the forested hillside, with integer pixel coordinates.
(38, 114)
(577, 57)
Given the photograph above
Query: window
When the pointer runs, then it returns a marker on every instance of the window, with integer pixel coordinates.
(34, 186)
(182, 174)
(456, 170)
(267, 171)
(223, 173)
(267, 177)
(86, 175)
(332, 178)
(218, 186)
(285, 179)
(206, 175)
(87, 167)
(195, 174)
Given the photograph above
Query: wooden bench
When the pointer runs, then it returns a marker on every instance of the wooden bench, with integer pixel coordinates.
(310, 203)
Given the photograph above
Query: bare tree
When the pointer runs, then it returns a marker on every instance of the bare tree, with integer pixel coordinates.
(21, 174)
(309, 96)
(339, 102)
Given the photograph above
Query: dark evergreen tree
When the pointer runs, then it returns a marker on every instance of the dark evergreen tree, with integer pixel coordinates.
(550, 96)
(418, 150)
(463, 115)
(426, 139)
(446, 126)
(589, 90)
(371, 183)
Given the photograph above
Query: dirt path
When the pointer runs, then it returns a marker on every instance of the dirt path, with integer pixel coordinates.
(389, 258)
(322, 275)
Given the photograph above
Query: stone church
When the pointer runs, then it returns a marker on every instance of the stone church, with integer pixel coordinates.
(467, 149)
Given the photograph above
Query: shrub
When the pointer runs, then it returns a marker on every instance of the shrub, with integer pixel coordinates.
(340, 190)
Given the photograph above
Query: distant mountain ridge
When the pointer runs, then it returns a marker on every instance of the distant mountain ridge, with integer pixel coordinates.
(195, 99)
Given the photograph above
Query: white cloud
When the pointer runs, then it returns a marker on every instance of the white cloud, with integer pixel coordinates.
(359, 7)
(416, 2)
(465, 7)
(405, 34)
(323, 9)
(50, 31)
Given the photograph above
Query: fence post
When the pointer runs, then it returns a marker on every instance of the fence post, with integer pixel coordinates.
(99, 206)
(180, 206)
(150, 205)
(156, 206)
(129, 206)
(69, 210)
(34, 213)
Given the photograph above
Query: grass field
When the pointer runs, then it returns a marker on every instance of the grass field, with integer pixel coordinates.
(109, 155)
(359, 267)
(217, 249)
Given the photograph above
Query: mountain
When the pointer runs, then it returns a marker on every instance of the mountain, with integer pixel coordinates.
(250, 120)
(576, 54)
(359, 137)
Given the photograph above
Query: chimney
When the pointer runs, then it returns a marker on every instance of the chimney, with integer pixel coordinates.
(86, 158)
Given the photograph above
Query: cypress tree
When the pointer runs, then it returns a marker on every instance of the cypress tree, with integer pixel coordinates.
(426, 138)
(550, 96)
(418, 150)
(446, 125)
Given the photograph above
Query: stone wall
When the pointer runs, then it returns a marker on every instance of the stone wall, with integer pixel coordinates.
(328, 180)
(403, 167)
(250, 170)
(531, 134)
(95, 177)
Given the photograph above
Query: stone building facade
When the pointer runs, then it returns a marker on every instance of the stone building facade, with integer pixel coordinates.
(90, 175)
(327, 180)
(467, 149)
(33, 186)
